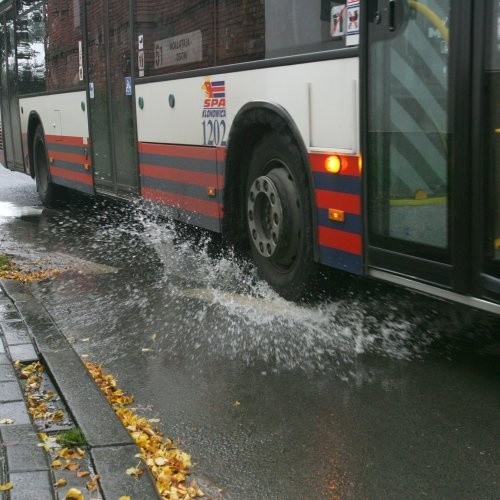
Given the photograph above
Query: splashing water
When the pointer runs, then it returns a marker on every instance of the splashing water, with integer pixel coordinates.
(197, 302)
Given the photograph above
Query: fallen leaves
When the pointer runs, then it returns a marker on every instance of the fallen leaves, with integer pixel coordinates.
(168, 465)
(12, 271)
(6, 487)
(67, 458)
(7, 421)
(38, 401)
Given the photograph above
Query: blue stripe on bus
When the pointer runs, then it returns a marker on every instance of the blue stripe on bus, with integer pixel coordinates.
(335, 182)
(175, 187)
(182, 163)
(351, 224)
(78, 186)
(74, 167)
(341, 260)
(197, 219)
(67, 148)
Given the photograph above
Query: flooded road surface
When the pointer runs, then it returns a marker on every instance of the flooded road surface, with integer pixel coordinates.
(370, 392)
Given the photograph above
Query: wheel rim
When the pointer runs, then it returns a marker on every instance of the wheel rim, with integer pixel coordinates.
(274, 216)
(265, 215)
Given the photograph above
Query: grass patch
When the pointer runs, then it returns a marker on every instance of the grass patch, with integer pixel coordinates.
(5, 262)
(71, 438)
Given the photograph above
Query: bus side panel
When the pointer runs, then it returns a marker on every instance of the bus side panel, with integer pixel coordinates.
(185, 178)
(322, 101)
(339, 215)
(65, 125)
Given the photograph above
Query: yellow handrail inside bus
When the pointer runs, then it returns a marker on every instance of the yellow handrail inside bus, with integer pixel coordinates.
(432, 17)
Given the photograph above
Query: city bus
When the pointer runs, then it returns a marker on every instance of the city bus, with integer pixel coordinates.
(361, 135)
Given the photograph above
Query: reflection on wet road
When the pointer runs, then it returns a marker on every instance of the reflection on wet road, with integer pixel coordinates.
(370, 392)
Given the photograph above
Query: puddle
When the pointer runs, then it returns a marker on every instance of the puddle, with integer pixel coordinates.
(8, 209)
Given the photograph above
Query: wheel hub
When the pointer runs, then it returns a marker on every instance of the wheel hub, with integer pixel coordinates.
(265, 215)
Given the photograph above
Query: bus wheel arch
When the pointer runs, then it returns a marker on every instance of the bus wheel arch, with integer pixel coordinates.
(267, 177)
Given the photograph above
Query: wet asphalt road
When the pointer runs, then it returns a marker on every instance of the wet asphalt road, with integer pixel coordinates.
(371, 392)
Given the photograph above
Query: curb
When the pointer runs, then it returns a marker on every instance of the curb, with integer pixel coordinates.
(111, 448)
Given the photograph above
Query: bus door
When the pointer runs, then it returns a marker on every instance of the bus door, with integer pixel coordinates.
(486, 149)
(408, 138)
(110, 96)
(432, 176)
(11, 125)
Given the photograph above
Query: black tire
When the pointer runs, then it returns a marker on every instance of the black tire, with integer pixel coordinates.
(278, 216)
(48, 192)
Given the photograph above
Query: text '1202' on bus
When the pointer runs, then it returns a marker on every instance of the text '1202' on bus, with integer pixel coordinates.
(360, 135)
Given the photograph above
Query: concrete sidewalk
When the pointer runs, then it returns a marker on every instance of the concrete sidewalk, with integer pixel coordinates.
(27, 334)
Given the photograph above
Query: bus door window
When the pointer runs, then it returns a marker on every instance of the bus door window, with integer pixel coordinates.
(493, 107)
(408, 129)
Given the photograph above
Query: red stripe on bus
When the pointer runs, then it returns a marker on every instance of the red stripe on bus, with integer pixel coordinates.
(199, 152)
(349, 163)
(178, 175)
(350, 203)
(221, 154)
(209, 208)
(69, 157)
(340, 240)
(67, 140)
(71, 175)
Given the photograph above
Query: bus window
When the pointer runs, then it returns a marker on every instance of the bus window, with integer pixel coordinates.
(64, 35)
(176, 37)
(30, 40)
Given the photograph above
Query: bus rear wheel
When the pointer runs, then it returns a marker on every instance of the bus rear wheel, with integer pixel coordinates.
(278, 216)
(48, 192)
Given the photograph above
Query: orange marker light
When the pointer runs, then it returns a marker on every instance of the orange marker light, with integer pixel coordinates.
(333, 164)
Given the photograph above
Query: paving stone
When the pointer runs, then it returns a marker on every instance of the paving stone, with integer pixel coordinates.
(12, 286)
(10, 391)
(4, 360)
(16, 332)
(85, 399)
(20, 297)
(2, 347)
(16, 411)
(31, 485)
(7, 373)
(19, 434)
(23, 352)
(9, 314)
(110, 462)
(25, 457)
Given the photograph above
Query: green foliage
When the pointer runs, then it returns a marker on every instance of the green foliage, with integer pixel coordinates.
(71, 438)
(5, 262)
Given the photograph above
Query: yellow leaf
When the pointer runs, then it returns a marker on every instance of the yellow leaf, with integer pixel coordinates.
(6, 487)
(134, 471)
(74, 494)
(56, 463)
(72, 466)
(83, 473)
(124, 497)
(60, 482)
